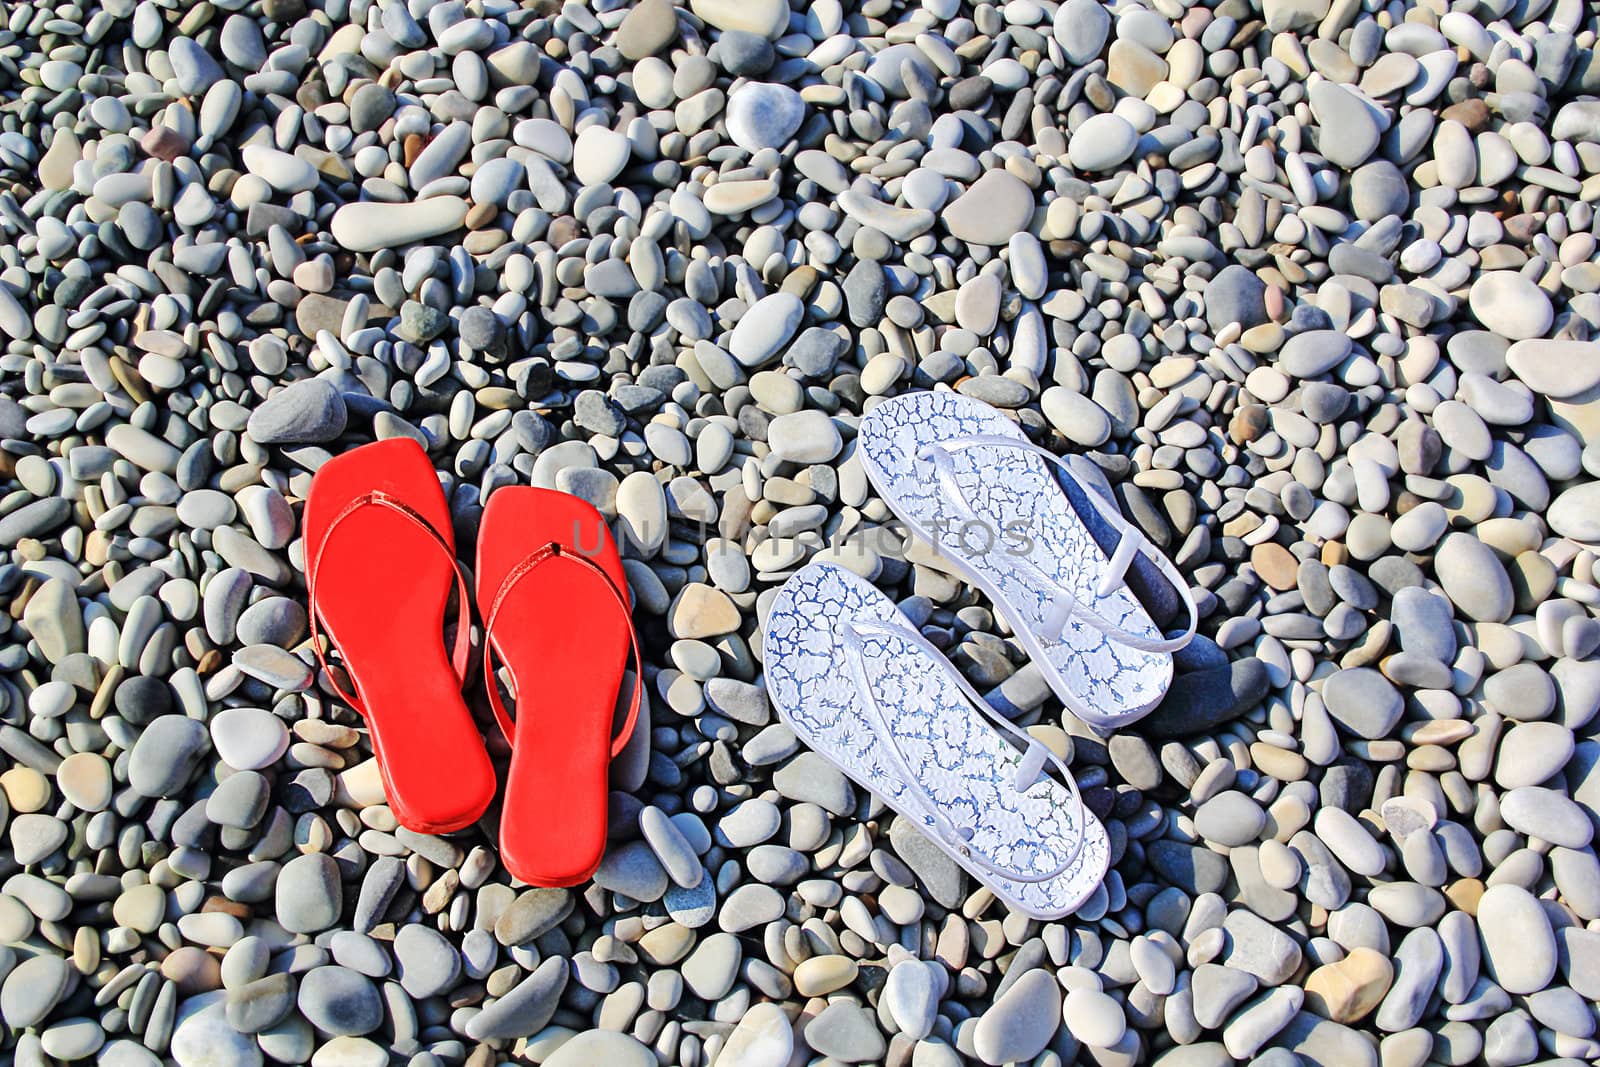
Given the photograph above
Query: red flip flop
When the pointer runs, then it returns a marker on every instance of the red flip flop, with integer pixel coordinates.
(380, 562)
(559, 618)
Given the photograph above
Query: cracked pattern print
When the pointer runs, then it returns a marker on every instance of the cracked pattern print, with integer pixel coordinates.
(962, 760)
(1013, 492)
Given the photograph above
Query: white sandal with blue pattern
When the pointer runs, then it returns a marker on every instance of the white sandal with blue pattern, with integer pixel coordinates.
(852, 677)
(963, 476)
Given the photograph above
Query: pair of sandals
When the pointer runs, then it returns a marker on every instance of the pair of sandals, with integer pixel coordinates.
(380, 569)
(858, 683)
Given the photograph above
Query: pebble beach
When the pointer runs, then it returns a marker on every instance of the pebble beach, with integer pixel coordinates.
(1308, 287)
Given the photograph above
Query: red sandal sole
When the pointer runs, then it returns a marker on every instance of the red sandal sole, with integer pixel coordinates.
(565, 641)
(382, 586)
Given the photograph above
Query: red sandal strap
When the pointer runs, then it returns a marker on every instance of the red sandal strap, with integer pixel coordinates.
(462, 648)
(551, 551)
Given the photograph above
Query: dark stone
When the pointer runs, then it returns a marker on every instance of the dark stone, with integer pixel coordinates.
(1235, 294)
(1204, 700)
(1194, 870)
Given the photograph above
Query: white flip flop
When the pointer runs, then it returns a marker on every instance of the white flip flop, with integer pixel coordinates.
(852, 677)
(963, 476)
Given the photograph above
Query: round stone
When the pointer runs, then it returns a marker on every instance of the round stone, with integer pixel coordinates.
(764, 115)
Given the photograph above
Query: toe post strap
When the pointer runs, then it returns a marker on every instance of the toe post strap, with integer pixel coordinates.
(1131, 544)
(461, 647)
(552, 551)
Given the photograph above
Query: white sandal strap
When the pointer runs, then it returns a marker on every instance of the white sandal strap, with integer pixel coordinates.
(1028, 769)
(1131, 543)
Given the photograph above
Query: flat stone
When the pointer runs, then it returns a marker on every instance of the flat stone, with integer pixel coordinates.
(1363, 701)
(310, 411)
(340, 1001)
(764, 115)
(1081, 27)
(1558, 368)
(1102, 142)
(602, 1047)
(1258, 947)
(1094, 1018)
(762, 1038)
(308, 894)
(1518, 943)
(769, 18)
(1337, 109)
(368, 226)
(995, 207)
(202, 1036)
(429, 964)
(765, 328)
(1575, 513)
(848, 1034)
(804, 437)
(166, 754)
(1201, 700)
(1473, 578)
(1510, 305)
(648, 28)
(32, 990)
(912, 997)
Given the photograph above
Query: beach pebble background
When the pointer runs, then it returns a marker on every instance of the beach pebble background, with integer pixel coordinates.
(1308, 285)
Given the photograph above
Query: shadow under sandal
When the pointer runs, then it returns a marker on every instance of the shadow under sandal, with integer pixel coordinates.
(856, 681)
(560, 619)
(1014, 520)
(380, 566)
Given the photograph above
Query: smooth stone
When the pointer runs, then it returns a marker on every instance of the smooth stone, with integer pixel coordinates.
(526, 1009)
(1473, 578)
(1559, 368)
(1518, 943)
(847, 1033)
(340, 1001)
(912, 997)
(1547, 814)
(765, 328)
(804, 437)
(1510, 305)
(1081, 27)
(996, 206)
(32, 990)
(1201, 700)
(308, 895)
(1337, 109)
(762, 1038)
(648, 28)
(310, 411)
(1314, 352)
(763, 115)
(1576, 513)
(599, 154)
(769, 18)
(1531, 753)
(202, 1036)
(166, 754)
(601, 1047)
(1094, 1018)
(1350, 989)
(368, 226)
(1260, 948)
(429, 964)
(1230, 818)
(1102, 142)
(1020, 1022)
(1235, 295)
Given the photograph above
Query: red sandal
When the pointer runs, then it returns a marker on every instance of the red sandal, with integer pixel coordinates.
(380, 559)
(560, 619)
